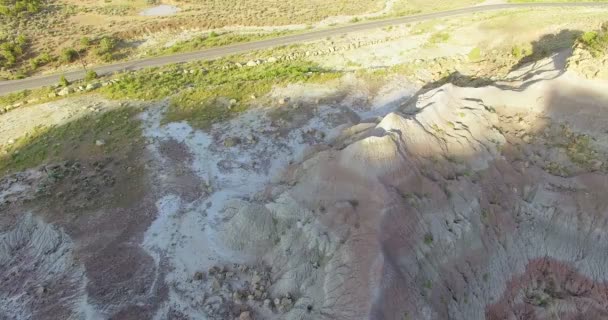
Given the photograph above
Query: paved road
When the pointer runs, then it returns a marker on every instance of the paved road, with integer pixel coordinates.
(214, 53)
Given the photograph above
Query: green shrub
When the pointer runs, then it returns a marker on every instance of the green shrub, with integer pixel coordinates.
(19, 8)
(11, 50)
(596, 42)
(68, 55)
(106, 45)
(91, 75)
(518, 51)
(475, 54)
(40, 60)
(63, 81)
(85, 41)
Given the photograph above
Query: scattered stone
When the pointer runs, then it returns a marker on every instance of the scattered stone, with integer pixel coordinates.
(92, 86)
(256, 279)
(65, 91)
(245, 316)
(251, 63)
(251, 139)
(41, 290)
(231, 142)
(198, 276)
(100, 143)
(285, 304)
(596, 165)
(216, 285)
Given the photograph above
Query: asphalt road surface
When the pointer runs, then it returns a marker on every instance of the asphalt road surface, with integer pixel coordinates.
(214, 53)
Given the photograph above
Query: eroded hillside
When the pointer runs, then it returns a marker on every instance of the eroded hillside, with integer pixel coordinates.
(454, 187)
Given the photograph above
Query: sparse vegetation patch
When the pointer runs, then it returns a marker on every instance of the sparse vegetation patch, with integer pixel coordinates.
(77, 139)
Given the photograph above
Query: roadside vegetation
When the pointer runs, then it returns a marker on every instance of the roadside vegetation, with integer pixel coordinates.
(596, 42)
(53, 29)
(204, 93)
(214, 39)
(18, 59)
(411, 7)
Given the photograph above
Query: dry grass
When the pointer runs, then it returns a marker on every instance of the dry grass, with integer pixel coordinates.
(60, 25)
(220, 13)
(408, 7)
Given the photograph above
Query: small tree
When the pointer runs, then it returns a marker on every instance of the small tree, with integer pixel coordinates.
(63, 81)
(91, 75)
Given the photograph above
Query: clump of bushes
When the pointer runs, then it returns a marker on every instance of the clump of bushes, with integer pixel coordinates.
(63, 81)
(19, 8)
(596, 42)
(40, 60)
(90, 76)
(105, 48)
(69, 55)
(518, 51)
(12, 50)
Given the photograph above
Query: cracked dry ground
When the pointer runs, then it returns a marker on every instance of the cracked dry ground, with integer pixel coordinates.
(463, 203)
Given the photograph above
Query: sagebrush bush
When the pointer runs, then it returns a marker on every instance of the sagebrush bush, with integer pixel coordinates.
(69, 55)
(91, 75)
(17, 8)
(596, 42)
(63, 81)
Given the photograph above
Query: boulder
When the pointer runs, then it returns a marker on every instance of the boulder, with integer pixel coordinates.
(245, 316)
(92, 86)
(65, 91)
